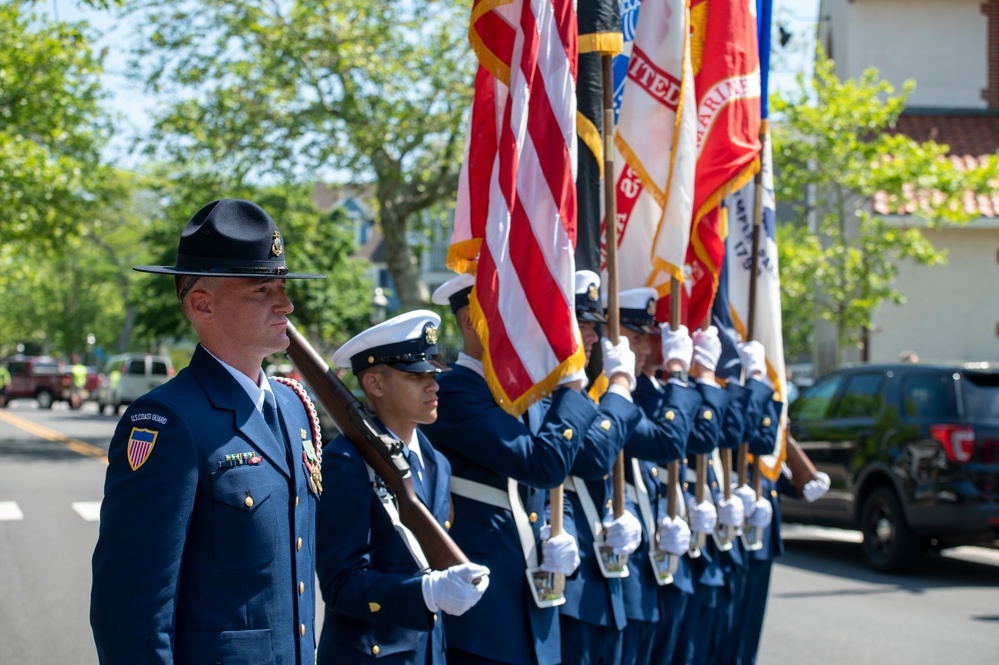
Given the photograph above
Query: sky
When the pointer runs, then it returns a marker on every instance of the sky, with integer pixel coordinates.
(797, 16)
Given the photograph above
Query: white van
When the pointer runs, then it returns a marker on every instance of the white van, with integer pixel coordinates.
(128, 376)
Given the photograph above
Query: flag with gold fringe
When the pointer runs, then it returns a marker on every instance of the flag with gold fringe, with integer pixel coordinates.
(724, 51)
(515, 218)
(655, 148)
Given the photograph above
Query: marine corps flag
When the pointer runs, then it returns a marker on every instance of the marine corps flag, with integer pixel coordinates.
(727, 85)
(599, 35)
(655, 149)
(515, 219)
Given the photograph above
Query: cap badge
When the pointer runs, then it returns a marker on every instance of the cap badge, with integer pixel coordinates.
(650, 309)
(277, 246)
(592, 293)
(431, 334)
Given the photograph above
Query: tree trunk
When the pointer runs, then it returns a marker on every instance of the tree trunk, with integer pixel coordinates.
(401, 261)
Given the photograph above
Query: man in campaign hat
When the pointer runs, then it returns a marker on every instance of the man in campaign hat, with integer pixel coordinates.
(381, 600)
(206, 542)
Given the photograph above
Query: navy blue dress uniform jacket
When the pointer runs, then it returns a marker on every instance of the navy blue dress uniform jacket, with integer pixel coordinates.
(486, 445)
(200, 560)
(370, 582)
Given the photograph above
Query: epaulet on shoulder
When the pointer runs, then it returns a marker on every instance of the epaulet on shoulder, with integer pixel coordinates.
(310, 409)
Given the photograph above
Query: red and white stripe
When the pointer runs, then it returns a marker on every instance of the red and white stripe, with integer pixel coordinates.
(515, 223)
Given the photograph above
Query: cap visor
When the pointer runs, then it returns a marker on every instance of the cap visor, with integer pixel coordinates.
(429, 366)
(170, 270)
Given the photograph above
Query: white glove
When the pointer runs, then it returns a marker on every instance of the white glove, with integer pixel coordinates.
(730, 512)
(575, 376)
(702, 516)
(816, 487)
(707, 347)
(559, 554)
(452, 591)
(623, 534)
(753, 358)
(674, 535)
(619, 359)
(677, 345)
(748, 498)
(762, 514)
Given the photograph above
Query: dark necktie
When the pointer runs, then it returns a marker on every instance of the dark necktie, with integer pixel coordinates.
(271, 417)
(418, 475)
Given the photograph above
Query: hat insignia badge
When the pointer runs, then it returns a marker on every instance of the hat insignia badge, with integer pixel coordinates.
(651, 307)
(277, 246)
(592, 293)
(431, 335)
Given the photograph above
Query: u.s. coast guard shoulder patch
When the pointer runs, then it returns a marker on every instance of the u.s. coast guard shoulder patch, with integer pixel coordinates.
(140, 445)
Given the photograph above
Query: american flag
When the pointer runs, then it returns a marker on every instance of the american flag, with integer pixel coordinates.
(515, 221)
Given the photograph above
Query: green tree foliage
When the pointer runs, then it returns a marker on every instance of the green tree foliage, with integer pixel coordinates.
(329, 310)
(264, 91)
(52, 130)
(836, 140)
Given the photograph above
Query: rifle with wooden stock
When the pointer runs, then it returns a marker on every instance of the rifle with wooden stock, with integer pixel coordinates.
(382, 452)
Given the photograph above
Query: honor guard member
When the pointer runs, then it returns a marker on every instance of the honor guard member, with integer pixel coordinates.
(206, 542)
(674, 534)
(382, 602)
(593, 616)
(668, 413)
(499, 468)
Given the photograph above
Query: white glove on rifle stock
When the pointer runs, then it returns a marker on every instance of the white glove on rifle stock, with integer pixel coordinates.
(702, 516)
(452, 591)
(619, 359)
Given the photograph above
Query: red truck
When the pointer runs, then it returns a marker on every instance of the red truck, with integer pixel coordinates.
(41, 378)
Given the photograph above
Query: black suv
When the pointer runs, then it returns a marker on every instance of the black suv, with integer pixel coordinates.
(912, 451)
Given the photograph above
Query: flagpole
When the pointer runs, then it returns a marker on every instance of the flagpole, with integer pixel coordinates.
(751, 317)
(610, 232)
(673, 468)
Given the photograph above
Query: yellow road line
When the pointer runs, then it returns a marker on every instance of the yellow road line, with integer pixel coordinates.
(75, 445)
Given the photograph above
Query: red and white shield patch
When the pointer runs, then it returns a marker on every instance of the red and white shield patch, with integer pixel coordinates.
(140, 444)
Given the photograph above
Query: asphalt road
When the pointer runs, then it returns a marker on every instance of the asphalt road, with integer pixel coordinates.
(826, 607)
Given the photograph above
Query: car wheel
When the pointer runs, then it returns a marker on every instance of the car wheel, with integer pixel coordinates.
(44, 397)
(889, 545)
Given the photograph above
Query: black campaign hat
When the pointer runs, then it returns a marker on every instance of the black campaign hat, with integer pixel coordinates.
(230, 238)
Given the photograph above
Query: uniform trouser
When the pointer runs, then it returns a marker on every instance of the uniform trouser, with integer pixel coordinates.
(697, 627)
(459, 657)
(674, 606)
(589, 644)
(636, 647)
(725, 642)
(754, 607)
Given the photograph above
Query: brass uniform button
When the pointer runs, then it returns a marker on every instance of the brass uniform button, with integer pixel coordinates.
(606, 476)
(296, 500)
(655, 471)
(610, 503)
(435, 618)
(707, 414)
(374, 607)
(249, 501)
(711, 461)
(299, 543)
(447, 524)
(567, 434)
(301, 588)
(606, 424)
(375, 650)
(302, 629)
(714, 484)
(685, 486)
(669, 415)
(533, 517)
(766, 421)
(773, 494)
(685, 460)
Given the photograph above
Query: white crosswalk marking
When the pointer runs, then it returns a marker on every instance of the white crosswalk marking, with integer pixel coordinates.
(10, 512)
(88, 510)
